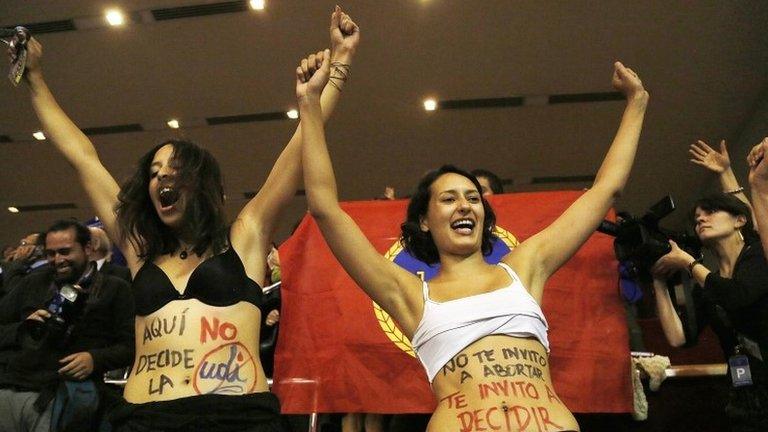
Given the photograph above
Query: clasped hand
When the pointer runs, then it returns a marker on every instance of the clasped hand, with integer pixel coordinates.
(77, 366)
(674, 261)
(627, 81)
(758, 171)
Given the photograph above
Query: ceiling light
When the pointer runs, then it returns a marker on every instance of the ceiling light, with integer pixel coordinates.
(430, 104)
(256, 4)
(173, 124)
(13, 209)
(115, 17)
(39, 135)
(292, 114)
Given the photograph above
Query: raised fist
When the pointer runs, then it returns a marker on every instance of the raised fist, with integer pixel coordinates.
(312, 74)
(626, 81)
(345, 35)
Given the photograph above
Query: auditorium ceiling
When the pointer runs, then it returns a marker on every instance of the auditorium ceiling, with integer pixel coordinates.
(526, 83)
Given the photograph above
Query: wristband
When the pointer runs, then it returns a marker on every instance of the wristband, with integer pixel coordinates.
(693, 264)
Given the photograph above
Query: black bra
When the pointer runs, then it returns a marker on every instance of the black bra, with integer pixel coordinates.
(217, 281)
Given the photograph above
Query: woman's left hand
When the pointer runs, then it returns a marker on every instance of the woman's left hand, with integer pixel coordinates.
(676, 260)
(345, 36)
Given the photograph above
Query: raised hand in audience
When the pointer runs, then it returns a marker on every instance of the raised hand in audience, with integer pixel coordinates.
(719, 162)
(758, 182)
(716, 161)
(758, 168)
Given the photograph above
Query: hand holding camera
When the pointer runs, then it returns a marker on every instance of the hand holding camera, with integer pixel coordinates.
(53, 325)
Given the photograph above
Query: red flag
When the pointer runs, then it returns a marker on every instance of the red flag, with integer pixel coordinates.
(339, 352)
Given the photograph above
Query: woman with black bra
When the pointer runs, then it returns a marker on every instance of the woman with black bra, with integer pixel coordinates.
(198, 303)
(484, 347)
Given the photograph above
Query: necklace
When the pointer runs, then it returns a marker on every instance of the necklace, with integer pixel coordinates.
(183, 254)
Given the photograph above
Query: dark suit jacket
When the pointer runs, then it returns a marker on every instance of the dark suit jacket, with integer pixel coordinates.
(13, 272)
(116, 270)
(104, 329)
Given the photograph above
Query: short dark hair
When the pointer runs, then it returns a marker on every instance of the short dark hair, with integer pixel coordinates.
(730, 204)
(419, 243)
(40, 238)
(204, 216)
(82, 233)
(493, 180)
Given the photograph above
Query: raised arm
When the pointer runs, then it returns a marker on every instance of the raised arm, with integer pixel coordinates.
(719, 162)
(396, 290)
(542, 254)
(252, 231)
(76, 148)
(758, 182)
(670, 321)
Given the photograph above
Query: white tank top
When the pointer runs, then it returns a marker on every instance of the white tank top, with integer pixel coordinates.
(447, 328)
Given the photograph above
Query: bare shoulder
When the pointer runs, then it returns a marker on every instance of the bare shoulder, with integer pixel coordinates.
(250, 245)
(524, 262)
(405, 300)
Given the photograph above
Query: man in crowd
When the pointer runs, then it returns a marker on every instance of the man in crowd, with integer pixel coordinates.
(43, 354)
(102, 254)
(8, 252)
(489, 182)
(27, 257)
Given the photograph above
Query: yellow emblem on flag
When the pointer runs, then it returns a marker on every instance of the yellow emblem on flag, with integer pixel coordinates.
(506, 240)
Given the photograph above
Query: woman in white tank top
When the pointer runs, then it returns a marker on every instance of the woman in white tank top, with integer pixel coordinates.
(496, 377)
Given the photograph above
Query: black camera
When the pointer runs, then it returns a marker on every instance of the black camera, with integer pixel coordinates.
(640, 242)
(65, 308)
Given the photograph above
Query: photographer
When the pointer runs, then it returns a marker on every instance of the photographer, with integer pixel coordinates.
(733, 300)
(64, 327)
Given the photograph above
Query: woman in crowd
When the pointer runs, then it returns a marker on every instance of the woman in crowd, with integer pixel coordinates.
(197, 299)
(732, 299)
(463, 324)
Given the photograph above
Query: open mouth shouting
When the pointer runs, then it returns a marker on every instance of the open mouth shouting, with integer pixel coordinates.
(463, 226)
(168, 196)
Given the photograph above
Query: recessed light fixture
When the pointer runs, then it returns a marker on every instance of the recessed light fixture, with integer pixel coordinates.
(13, 209)
(430, 104)
(256, 4)
(292, 114)
(115, 17)
(39, 135)
(173, 124)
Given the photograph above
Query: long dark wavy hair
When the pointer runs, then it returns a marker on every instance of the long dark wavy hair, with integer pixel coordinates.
(720, 201)
(419, 243)
(204, 219)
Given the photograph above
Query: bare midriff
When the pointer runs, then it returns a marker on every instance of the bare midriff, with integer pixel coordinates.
(188, 348)
(499, 383)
